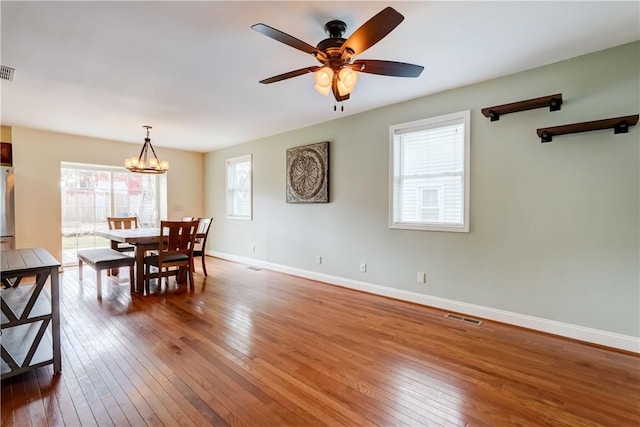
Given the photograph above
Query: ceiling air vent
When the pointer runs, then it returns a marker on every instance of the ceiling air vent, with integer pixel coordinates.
(6, 73)
(464, 319)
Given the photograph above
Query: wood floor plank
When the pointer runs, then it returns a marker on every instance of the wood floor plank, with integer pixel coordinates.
(159, 406)
(46, 384)
(259, 348)
(20, 397)
(59, 389)
(6, 407)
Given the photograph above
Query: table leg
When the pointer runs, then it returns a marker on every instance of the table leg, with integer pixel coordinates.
(139, 280)
(55, 319)
(113, 271)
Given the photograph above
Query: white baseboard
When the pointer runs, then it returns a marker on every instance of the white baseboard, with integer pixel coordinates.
(581, 333)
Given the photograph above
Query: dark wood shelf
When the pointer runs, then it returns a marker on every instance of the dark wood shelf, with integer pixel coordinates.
(30, 319)
(21, 355)
(618, 124)
(552, 101)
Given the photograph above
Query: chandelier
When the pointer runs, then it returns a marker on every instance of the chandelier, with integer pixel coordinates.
(145, 163)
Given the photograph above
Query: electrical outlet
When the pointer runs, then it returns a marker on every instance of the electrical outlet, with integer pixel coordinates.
(318, 259)
(363, 267)
(422, 277)
(253, 248)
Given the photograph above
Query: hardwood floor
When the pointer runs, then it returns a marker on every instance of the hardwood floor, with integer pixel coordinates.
(259, 348)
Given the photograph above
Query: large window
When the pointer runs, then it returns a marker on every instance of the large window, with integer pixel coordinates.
(89, 194)
(429, 174)
(239, 187)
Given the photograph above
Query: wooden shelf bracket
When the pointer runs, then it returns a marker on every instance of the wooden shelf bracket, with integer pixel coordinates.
(618, 124)
(552, 101)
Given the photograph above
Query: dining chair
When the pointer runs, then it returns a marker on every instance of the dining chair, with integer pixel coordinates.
(175, 249)
(119, 223)
(204, 224)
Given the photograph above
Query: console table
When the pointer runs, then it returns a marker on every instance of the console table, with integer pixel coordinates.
(30, 319)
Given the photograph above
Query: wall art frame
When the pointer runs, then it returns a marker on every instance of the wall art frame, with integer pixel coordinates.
(308, 173)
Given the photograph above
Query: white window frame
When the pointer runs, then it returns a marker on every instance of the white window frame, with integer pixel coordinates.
(430, 123)
(231, 214)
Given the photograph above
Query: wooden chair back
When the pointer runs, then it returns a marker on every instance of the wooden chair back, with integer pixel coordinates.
(178, 238)
(175, 250)
(203, 230)
(204, 224)
(118, 223)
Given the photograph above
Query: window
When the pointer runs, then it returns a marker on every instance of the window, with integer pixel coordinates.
(239, 187)
(429, 174)
(91, 193)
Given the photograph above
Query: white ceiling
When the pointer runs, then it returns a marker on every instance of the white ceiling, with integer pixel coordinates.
(191, 69)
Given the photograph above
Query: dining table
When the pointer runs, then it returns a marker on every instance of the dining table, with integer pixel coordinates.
(143, 239)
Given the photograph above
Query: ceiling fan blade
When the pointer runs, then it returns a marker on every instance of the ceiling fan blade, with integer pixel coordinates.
(371, 32)
(290, 74)
(386, 68)
(289, 40)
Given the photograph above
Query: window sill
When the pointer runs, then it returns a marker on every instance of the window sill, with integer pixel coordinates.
(430, 227)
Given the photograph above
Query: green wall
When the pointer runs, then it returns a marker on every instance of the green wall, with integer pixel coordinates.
(554, 227)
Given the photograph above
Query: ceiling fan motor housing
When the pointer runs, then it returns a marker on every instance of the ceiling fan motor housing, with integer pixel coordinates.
(335, 29)
(331, 46)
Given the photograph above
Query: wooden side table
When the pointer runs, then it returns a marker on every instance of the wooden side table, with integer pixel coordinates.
(30, 319)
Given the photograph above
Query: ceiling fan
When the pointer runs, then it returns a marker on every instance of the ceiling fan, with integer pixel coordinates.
(339, 72)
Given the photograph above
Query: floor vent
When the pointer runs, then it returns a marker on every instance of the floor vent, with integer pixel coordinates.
(254, 268)
(464, 319)
(6, 73)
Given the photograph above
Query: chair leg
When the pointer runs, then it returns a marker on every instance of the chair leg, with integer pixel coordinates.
(204, 267)
(131, 278)
(99, 283)
(146, 269)
(80, 269)
(189, 274)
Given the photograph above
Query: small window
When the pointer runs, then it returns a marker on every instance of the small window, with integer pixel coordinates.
(429, 174)
(239, 187)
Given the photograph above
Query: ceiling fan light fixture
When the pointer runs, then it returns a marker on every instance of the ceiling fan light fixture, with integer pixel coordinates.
(324, 90)
(347, 79)
(348, 76)
(324, 76)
